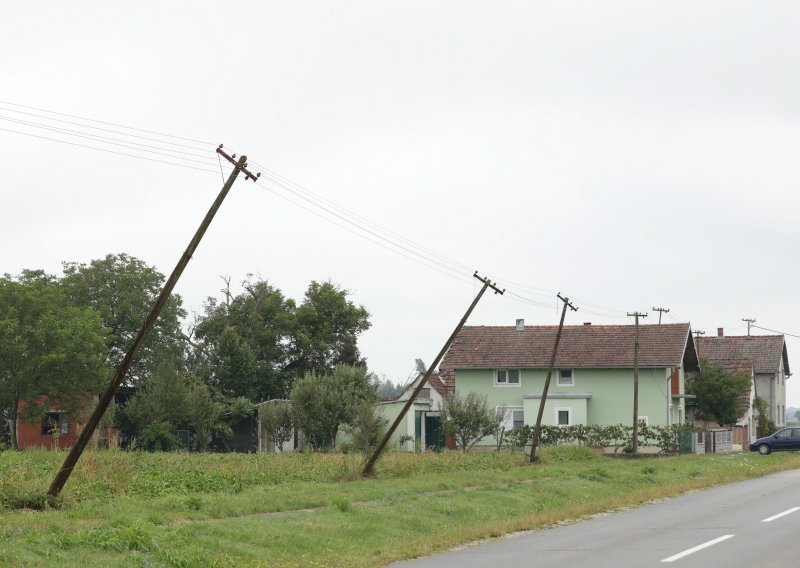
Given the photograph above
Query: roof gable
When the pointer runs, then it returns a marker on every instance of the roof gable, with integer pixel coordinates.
(597, 346)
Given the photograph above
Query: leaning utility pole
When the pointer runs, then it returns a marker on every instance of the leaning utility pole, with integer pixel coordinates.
(537, 430)
(660, 311)
(750, 322)
(635, 448)
(376, 454)
(108, 396)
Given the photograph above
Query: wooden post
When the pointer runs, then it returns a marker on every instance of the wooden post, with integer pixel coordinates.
(108, 396)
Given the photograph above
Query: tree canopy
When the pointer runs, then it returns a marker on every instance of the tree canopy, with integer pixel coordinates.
(721, 397)
(257, 343)
(48, 347)
(122, 289)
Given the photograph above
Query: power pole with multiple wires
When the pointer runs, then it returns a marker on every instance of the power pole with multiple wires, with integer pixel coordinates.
(537, 430)
(635, 447)
(698, 333)
(71, 460)
(660, 311)
(750, 322)
(368, 466)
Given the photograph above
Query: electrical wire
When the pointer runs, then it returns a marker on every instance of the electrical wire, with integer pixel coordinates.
(316, 204)
(106, 123)
(774, 331)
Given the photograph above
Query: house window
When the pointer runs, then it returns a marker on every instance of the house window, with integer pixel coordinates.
(54, 421)
(565, 378)
(507, 377)
(515, 417)
(563, 416)
(644, 420)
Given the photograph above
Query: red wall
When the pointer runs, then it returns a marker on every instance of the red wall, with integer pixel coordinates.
(29, 434)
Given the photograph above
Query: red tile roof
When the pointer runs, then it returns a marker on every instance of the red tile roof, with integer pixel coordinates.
(598, 346)
(765, 351)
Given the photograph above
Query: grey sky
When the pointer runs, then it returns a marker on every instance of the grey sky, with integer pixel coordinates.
(628, 154)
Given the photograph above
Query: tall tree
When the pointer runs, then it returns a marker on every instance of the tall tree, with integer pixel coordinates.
(48, 347)
(284, 340)
(327, 330)
(722, 397)
(246, 341)
(122, 289)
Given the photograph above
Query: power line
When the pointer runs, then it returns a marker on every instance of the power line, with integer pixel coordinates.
(325, 208)
(107, 150)
(106, 123)
(775, 331)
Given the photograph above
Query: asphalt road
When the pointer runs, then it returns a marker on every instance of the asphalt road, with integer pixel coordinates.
(752, 523)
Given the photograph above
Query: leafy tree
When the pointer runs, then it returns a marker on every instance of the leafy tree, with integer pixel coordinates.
(323, 403)
(47, 347)
(122, 289)
(722, 397)
(173, 400)
(468, 419)
(366, 427)
(257, 343)
(328, 326)
(246, 341)
(277, 422)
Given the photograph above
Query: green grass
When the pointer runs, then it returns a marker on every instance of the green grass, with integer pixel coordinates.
(138, 509)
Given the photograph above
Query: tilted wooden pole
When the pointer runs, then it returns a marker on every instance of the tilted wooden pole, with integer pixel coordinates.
(80, 444)
(635, 444)
(537, 429)
(376, 454)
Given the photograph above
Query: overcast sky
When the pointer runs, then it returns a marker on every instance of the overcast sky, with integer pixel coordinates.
(630, 155)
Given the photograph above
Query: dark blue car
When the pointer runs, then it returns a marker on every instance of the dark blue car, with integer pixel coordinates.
(786, 439)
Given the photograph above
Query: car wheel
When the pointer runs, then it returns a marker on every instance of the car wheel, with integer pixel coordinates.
(763, 449)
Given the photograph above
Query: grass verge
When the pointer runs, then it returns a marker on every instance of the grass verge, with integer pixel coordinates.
(135, 509)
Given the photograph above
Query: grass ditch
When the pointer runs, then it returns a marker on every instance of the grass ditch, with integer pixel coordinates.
(130, 509)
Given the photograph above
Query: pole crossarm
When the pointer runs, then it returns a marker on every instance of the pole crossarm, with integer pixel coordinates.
(240, 167)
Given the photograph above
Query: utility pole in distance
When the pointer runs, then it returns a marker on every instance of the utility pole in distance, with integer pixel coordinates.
(379, 449)
(635, 448)
(537, 430)
(698, 333)
(80, 444)
(660, 311)
(750, 322)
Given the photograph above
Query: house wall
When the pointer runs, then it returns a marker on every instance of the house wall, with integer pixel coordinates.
(611, 391)
(391, 410)
(29, 432)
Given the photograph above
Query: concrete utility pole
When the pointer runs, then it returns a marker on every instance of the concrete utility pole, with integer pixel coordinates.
(660, 311)
(376, 454)
(75, 453)
(537, 430)
(698, 333)
(750, 322)
(635, 448)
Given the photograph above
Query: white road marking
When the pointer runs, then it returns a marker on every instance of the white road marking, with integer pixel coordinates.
(697, 548)
(779, 515)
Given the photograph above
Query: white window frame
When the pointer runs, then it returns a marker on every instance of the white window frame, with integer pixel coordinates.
(572, 378)
(558, 409)
(505, 383)
(509, 423)
(645, 419)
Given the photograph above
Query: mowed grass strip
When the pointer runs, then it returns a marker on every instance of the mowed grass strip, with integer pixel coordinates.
(135, 509)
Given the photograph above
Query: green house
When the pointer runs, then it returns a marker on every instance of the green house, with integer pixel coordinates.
(592, 382)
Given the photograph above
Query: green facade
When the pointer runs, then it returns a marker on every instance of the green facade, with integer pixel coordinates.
(597, 396)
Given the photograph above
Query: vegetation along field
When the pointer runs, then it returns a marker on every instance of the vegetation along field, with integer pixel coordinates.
(304, 509)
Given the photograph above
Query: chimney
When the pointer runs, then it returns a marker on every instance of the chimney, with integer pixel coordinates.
(587, 323)
(520, 325)
(720, 332)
